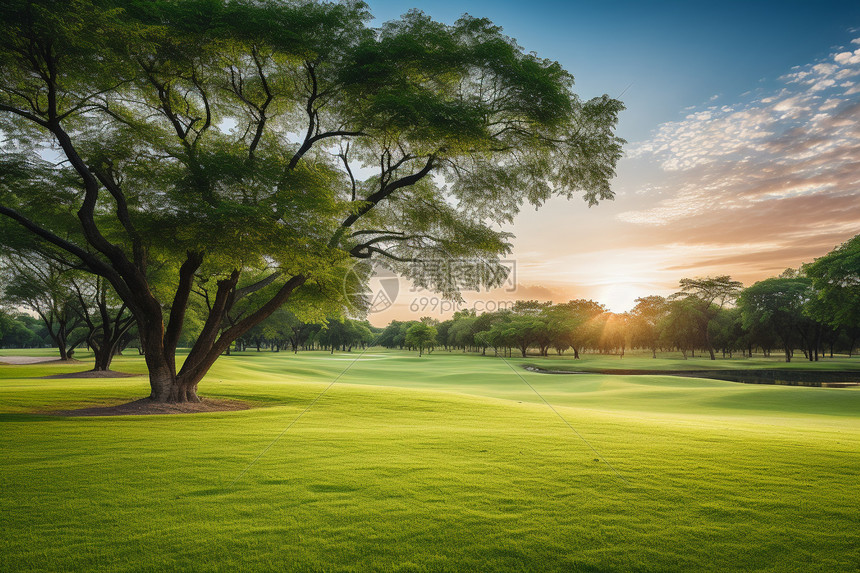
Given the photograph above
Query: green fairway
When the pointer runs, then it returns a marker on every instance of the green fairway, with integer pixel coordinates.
(448, 462)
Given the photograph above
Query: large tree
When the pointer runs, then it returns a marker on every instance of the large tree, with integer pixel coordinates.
(257, 147)
(836, 280)
(778, 305)
(709, 295)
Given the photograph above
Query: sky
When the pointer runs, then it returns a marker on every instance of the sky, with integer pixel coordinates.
(743, 153)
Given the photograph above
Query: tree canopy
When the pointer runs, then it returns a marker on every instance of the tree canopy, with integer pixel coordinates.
(836, 278)
(778, 304)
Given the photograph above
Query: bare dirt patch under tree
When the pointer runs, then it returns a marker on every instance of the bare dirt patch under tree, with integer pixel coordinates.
(93, 374)
(146, 407)
(20, 360)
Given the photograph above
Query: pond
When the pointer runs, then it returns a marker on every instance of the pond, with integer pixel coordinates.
(814, 378)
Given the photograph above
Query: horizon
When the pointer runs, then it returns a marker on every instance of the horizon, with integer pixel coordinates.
(618, 298)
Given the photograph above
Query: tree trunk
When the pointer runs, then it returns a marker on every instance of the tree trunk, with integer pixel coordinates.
(166, 388)
(104, 357)
(161, 381)
(818, 335)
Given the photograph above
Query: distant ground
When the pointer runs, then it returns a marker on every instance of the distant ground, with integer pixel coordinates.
(444, 462)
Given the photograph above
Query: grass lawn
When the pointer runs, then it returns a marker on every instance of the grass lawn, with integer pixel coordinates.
(448, 462)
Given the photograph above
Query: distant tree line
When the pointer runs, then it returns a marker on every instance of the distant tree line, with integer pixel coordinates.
(283, 330)
(20, 330)
(812, 310)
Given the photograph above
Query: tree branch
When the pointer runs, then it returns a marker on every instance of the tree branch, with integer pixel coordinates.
(208, 334)
(371, 201)
(91, 261)
(240, 328)
(369, 250)
(252, 288)
(106, 178)
(192, 262)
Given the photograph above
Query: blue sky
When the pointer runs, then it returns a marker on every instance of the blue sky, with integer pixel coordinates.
(743, 123)
(671, 54)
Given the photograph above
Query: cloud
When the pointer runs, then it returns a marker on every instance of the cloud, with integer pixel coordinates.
(848, 58)
(533, 291)
(801, 140)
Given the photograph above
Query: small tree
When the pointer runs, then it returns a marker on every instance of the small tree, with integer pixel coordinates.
(614, 333)
(421, 336)
(523, 331)
(681, 326)
(726, 331)
(461, 333)
(582, 320)
(644, 320)
(106, 318)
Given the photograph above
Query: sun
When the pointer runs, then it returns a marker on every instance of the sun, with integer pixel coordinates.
(619, 297)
